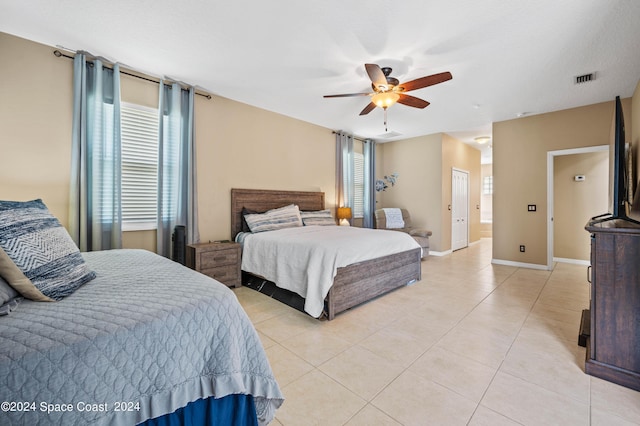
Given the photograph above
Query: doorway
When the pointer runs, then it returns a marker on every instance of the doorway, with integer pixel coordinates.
(552, 186)
(459, 209)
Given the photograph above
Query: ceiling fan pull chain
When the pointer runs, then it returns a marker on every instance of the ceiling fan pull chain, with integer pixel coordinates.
(385, 120)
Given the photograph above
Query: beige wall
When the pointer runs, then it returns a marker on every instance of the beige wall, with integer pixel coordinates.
(35, 130)
(418, 161)
(575, 202)
(240, 146)
(237, 145)
(520, 173)
(424, 185)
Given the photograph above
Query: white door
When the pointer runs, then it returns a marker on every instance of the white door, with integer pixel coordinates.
(459, 209)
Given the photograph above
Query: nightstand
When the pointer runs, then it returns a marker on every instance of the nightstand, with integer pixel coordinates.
(220, 261)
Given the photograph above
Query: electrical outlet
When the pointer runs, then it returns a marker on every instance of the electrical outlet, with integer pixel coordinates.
(521, 249)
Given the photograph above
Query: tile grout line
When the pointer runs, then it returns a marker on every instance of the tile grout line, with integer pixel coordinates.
(436, 342)
(509, 350)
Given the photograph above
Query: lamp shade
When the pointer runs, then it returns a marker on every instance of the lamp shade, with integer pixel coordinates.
(344, 213)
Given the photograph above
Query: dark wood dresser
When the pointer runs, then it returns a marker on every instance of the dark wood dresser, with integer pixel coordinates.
(613, 346)
(219, 260)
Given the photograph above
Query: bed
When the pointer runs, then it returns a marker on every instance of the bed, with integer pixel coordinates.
(147, 341)
(352, 284)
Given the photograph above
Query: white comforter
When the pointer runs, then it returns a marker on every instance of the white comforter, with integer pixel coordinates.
(305, 259)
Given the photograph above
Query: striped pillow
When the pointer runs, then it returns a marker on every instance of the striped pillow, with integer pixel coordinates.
(318, 217)
(280, 218)
(42, 249)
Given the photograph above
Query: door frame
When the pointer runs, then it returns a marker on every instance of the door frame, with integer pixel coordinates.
(453, 170)
(550, 185)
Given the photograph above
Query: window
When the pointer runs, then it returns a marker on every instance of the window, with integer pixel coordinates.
(487, 185)
(358, 183)
(139, 167)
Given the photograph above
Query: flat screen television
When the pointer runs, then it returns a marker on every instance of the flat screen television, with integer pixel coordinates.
(619, 169)
(620, 172)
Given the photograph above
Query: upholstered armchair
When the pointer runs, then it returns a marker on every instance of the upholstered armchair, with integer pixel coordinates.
(420, 235)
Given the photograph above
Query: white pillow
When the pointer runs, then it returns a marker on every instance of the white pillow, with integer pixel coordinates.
(318, 217)
(280, 218)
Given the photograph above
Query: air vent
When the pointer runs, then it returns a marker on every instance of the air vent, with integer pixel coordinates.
(585, 78)
(389, 135)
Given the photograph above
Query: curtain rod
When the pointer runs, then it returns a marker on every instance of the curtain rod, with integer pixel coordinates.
(358, 139)
(59, 54)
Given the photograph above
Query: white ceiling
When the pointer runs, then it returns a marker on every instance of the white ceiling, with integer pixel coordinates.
(507, 57)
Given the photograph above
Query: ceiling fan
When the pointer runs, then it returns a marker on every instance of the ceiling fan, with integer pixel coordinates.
(388, 90)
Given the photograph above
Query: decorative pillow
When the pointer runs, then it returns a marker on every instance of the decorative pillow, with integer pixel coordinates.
(280, 218)
(318, 217)
(42, 249)
(9, 298)
(14, 276)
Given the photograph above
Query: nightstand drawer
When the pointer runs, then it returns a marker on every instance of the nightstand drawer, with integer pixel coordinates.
(212, 259)
(225, 274)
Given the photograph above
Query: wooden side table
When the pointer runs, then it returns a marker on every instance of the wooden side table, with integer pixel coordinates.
(219, 260)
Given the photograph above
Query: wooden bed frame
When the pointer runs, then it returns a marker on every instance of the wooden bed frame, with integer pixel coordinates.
(353, 284)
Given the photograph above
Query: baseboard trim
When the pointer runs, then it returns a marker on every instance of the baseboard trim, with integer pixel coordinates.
(520, 264)
(439, 253)
(572, 261)
(446, 252)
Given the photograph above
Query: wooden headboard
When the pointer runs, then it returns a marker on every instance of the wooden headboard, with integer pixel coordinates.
(261, 200)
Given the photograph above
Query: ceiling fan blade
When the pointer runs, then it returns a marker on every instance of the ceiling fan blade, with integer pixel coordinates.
(368, 108)
(427, 81)
(346, 95)
(376, 75)
(412, 101)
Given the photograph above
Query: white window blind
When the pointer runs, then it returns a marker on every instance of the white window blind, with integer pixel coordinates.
(487, 185)
(102, 182)
(139, 167)
(358, 181)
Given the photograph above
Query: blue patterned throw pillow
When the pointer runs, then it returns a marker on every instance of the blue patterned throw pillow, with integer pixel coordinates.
(42, 248)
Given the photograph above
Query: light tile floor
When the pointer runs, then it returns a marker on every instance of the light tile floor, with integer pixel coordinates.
(470, 344)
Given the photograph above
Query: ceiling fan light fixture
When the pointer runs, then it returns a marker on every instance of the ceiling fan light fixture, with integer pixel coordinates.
(385, 99)
(387, 90)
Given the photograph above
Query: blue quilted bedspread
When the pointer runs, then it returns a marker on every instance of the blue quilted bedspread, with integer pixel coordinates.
(144, 338)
